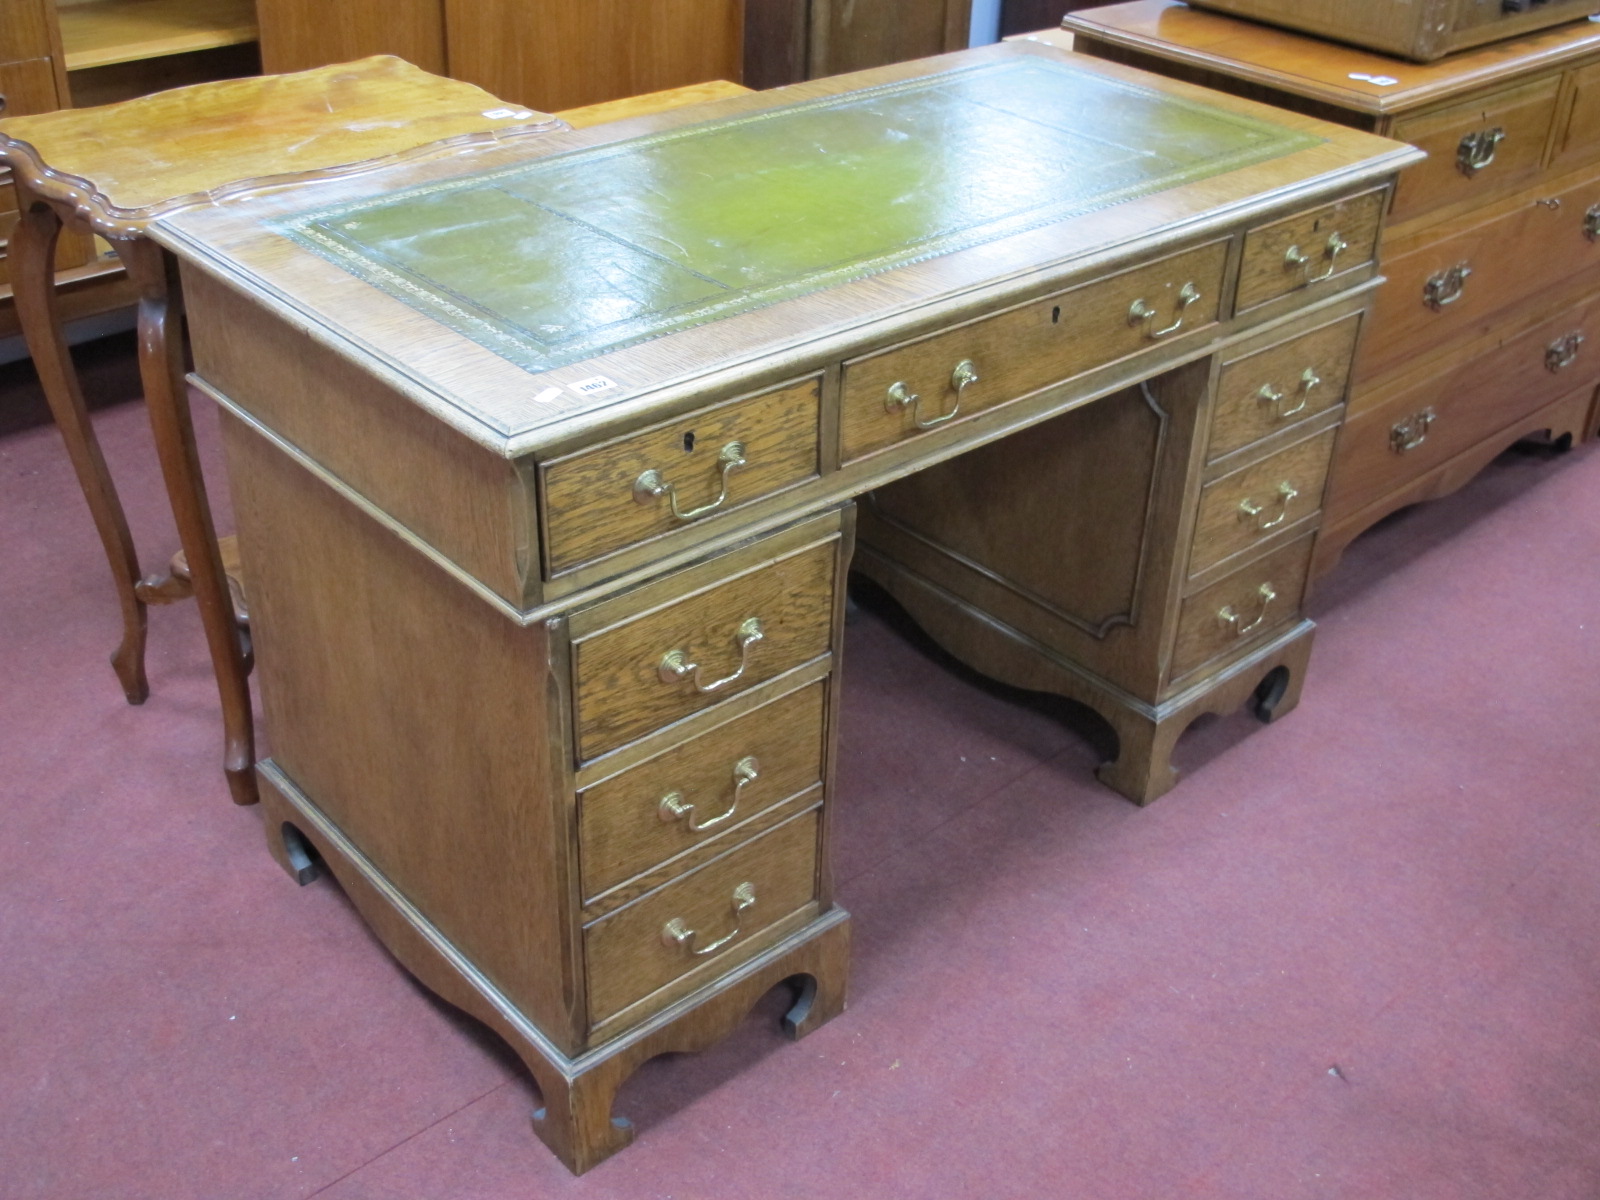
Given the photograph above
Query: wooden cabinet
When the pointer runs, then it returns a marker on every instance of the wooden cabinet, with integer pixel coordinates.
(548, 565)
(560, 54)
(1491, 246)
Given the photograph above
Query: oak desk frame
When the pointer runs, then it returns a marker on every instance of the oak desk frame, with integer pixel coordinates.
(454, 694)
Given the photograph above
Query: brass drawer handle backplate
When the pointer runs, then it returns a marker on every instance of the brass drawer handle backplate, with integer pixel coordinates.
(675, 933)
(1273, 397)
(672, 806)
(1562, 353)
(1144, 313)
(901, 397)
(1230, 617)
(1407, 435)
(675, 664)
(1331, 249)
(1249, 510)
(1477, 150)
(1445, 288)
(650, 486)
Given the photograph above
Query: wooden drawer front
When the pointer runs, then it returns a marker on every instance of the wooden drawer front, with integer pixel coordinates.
(1023, 349)
(634, 950)
(1308, 248)
(672, 475)
(1248, 506)
(1243, 608)
(626, 686)
(1580, 137)
(699, 790)
(1281, 385)
(1447, 286)
(1407, 435)
(1505, 132)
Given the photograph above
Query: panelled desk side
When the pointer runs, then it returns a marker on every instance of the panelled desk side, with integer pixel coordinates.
(1486, 332)
(572, 755)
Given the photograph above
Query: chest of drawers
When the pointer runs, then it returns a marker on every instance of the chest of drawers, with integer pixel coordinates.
(546, 466)
(1483, 333)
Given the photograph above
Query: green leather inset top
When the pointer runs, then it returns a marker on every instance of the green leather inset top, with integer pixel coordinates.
(582, 252)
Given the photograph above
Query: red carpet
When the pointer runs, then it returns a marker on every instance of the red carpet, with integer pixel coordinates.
(1355, 954)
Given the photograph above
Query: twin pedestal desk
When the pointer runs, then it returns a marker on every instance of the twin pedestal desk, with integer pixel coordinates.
(549, 465)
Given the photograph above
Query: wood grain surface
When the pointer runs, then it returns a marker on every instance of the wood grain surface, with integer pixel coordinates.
(1243, 414)
(627, 955)
(1018, 352)
(590, 503)
(618, 690)
(1266, 273)
(1202, 632)
(621, 825)
(1223, 528)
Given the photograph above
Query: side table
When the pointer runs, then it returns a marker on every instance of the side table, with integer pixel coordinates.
(115, 169)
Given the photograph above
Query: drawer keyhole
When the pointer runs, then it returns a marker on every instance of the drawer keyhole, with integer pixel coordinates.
(688, 441)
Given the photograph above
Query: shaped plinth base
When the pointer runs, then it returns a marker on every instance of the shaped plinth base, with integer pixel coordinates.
(575, 1119)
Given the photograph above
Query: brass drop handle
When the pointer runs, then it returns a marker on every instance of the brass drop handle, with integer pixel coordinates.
(1144, 313)
(1591, 223)
(1477, 150)
(1230, 616)
(1562, 353)
(901, 397)
(651, 486)
(1249, 510)
(676, 933)
(675, 664)
(673, 807)
(1331, 249)
(1410, 433)
(1273, 397)
(1445, 287)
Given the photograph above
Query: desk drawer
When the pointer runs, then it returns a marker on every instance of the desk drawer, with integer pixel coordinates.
(1281, 386)
(1249, 505)
(699, 790)
(1409, 433)
(1242, 609)
(1446, 286)
(688, 470)
(1477, 150)
(886, 395)
(706, 916)
(658, 667)
(1308, 248)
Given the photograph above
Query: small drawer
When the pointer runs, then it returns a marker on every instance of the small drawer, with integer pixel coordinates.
(1406, 435)
(896, 394)
(1243, 608)
(1447, 287)
(702, 789)
(1308, 248)
(1476, 150)
(1579, 142)
(1249, 505)
(707, 916)
(665, 664)
(1281, 386)
(689, 470)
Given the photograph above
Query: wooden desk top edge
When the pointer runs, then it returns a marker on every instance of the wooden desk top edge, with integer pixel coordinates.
(1171, 30)
(438, 369)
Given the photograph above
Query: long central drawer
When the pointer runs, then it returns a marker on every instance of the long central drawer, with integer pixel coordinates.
(896, 394)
